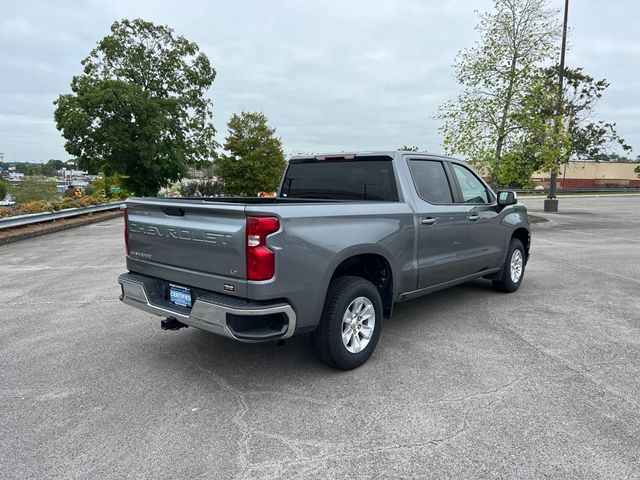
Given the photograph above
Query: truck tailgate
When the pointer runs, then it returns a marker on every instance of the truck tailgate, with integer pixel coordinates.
(202, 241)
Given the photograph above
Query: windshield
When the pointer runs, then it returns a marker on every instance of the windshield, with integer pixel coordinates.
(364, 178)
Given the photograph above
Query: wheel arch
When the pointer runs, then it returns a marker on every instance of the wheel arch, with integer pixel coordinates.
(375, 267)
(524, 235)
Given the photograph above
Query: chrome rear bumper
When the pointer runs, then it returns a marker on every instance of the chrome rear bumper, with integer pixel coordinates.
(210, 312)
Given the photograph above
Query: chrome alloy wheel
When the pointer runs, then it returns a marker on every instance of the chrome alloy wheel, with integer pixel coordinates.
(517, 263)
(358, 323)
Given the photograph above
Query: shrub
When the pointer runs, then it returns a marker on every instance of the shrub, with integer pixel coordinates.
(39, 206)
(189, 189)
(94, 200)
(90, 189)
(88, 201)
(121, 195)
(36, 206)
(64, 203)
(75, 203)
(108, 187)
(206, 188)
(35, 189)
(5, 212)
(72, 193)
(4, 189)
(210, 188)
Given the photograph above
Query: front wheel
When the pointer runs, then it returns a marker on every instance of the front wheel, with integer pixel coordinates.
(513, 269)
(351, 323)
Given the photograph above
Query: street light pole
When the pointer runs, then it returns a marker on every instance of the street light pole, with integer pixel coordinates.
(551, 202)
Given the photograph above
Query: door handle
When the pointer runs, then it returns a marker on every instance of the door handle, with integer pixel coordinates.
(473, 217)
(428, 221)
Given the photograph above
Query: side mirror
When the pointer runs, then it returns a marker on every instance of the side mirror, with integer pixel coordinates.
(506, 197)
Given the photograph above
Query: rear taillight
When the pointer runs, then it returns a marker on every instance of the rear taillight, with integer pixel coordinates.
(126, 230)
(260, 259)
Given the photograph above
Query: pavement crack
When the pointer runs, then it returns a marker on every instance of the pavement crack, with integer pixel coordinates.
(239, 418)
(590, 269)
(304, 466)
(284, 439)
(153, 330)
(613, 363)
(371, 419)
(563, 363)
(294, 396)
(493, 391)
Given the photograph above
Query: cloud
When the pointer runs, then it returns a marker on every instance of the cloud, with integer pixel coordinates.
(331, 75)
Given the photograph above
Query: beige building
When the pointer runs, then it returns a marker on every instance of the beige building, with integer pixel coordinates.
(591, 174)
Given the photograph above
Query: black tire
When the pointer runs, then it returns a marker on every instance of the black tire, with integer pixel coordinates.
(506, 283)
(327, 339)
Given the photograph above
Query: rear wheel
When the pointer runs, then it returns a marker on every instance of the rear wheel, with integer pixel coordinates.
(351, 323)
(513, 269)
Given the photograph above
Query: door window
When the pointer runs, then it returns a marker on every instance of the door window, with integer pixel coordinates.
(473, 191)
(431, 181)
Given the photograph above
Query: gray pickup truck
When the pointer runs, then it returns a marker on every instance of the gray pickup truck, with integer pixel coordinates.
(346, 237)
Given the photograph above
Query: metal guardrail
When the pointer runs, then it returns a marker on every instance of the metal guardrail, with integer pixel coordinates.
(22, 220)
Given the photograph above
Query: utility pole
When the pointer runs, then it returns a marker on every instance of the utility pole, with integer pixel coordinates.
(551, 202)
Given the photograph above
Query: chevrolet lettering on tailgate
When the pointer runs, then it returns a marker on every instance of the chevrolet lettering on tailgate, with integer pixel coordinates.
(179, 233)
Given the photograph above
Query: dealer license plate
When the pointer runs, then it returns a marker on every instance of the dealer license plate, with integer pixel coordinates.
(180, 295)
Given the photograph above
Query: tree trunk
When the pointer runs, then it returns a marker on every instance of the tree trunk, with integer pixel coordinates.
(503, 122)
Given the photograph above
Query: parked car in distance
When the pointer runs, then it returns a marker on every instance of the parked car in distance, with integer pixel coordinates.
(346, 237)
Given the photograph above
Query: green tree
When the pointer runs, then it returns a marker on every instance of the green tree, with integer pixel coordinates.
(49, 169)
(29, 169)
(34, 188)
(108, 186)
(139, 107)
(615, 157)
(409, 149)
(57, 164)
(637, 170)
(588, 139)
(4, 189)
(541, 147)
(539, 144)
(253, 161)
(496, 74)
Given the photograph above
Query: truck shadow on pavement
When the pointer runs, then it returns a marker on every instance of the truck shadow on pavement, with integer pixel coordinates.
(416, 318)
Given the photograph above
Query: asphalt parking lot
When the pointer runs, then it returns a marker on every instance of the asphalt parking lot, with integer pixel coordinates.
(465, 383)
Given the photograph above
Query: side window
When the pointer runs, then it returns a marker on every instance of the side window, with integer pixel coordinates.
(473, 191)
(431, 181)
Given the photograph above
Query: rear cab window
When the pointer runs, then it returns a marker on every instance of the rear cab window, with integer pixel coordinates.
(341, 178)
(430, 180)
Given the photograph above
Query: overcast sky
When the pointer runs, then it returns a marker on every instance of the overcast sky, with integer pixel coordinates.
(330, 75)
